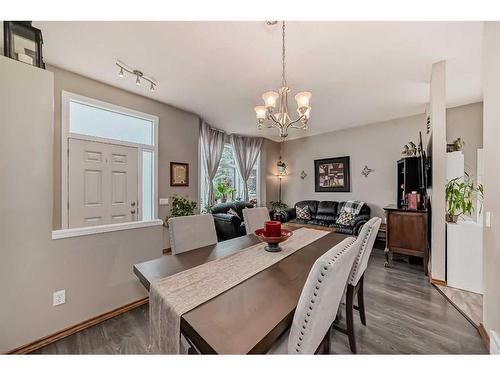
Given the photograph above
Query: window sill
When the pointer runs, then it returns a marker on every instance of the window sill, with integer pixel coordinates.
(85, 231)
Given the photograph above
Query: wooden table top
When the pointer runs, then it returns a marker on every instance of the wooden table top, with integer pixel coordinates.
(249, 317)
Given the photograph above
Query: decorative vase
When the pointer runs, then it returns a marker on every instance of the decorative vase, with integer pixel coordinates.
(273, 242)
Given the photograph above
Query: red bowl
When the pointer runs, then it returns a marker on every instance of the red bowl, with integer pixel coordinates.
(273, 241)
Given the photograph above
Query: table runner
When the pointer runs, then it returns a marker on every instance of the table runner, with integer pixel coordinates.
(173, 296)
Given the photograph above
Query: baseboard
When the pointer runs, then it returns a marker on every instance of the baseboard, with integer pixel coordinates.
(77, 328)
(484, 335)
(438, 282)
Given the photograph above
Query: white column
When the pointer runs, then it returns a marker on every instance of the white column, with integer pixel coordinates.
(491, 153)
(438, 124)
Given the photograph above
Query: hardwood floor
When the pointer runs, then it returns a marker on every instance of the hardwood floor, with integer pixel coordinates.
(405, 315)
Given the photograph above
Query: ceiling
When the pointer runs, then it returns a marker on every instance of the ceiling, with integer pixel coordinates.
(358, 72)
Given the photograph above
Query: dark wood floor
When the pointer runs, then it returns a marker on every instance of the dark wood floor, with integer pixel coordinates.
(405, 315)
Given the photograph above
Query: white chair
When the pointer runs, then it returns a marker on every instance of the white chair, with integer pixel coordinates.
(366, 239)
(191, 232)
(319, 301)
(254, 218)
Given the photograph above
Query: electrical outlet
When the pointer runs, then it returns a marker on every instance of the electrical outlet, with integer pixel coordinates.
(59, 297)
(163, 201)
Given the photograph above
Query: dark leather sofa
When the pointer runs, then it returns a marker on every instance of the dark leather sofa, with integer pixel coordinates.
(229, 226)
(325, 213)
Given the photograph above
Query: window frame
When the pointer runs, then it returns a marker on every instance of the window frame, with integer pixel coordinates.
(66, 98)
(203, 176)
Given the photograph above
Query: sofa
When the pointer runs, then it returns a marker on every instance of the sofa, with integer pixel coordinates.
(325, 213)
(229, 226)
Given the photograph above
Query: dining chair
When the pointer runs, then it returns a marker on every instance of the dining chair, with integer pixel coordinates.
(191, 232)
(254, 218)
(319, 301)
(366, 239)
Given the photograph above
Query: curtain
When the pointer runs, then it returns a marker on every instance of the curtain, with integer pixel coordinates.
(212, 144)
(246, 150)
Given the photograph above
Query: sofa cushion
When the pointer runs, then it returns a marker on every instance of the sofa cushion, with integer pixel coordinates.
(344, 229)
(327, 208)
(298, 221)
(313, 206)
(233, 212)
(319, 222)
(328, 218)
(303, 213)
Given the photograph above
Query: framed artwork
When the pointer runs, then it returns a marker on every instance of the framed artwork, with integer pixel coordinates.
(332, 175)
(179, 174)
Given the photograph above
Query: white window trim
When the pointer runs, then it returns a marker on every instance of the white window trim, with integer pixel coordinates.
(65, 232)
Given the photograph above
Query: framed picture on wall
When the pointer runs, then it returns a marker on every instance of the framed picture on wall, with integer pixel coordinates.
(179, 174)
(332, 175)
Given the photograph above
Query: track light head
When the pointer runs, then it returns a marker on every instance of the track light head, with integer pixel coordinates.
(121, 72)
(138, 81)
(152, 87)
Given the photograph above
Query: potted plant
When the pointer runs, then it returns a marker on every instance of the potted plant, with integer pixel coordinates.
(279, 209)
(460, 192)
(181, 207)
(223, 190)
(457, 145)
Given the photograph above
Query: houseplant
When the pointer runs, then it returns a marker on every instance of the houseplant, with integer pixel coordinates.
(460, 192)
(181, 206)
(223, 190)
(278, 209)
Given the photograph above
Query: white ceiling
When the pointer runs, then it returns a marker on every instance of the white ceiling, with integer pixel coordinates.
(358, 72)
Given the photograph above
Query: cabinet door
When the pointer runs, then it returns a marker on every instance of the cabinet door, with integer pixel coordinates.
(406, 231)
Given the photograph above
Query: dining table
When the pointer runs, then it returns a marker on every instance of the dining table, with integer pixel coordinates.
(251, 316)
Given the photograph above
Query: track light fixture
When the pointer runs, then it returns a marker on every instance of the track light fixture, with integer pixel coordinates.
(138, 75)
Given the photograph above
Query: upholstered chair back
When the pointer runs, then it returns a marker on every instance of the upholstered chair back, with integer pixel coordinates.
(191, 232)
(320, 297)
(366, 239)
(254, 218)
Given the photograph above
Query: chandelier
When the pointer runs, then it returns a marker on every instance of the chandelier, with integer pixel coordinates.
(279, 117)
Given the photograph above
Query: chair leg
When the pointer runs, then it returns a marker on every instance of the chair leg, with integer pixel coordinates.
(361, 302)
(349, 317)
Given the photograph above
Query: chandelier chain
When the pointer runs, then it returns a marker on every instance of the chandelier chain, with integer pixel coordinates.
(283, 79)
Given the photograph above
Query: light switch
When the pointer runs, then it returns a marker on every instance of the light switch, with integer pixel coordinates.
(487, 219)
(163, 201)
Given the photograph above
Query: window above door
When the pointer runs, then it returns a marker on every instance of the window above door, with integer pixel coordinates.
(112, 194)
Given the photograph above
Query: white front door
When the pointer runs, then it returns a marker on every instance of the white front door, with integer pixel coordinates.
(102, 183)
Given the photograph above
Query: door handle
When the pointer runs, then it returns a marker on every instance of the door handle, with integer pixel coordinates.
(132, 212)
(132, 204)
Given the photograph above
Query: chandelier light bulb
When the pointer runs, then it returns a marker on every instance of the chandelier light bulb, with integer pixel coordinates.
(270, 98)
(121, 72)
(261, 112)
(302, 99)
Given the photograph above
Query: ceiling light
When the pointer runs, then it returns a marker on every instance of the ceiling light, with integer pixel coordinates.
(280, 118)
(138, 75)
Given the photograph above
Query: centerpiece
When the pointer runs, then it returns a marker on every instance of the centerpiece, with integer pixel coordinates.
(273, 235)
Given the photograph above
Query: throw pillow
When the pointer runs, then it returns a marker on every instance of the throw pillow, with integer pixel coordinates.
(345, 218)
(233, 212)
(303, 213)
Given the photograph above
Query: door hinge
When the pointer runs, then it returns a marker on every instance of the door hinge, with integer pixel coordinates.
(67, 205)
(67, 152)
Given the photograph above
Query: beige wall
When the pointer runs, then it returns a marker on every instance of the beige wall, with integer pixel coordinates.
(466, 122)
(491, 136)
(95, 270)
(269, 185)
(376, 145)
(178, 133)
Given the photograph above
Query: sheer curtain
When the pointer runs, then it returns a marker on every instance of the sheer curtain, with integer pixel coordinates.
(212, 145)
(246, 150)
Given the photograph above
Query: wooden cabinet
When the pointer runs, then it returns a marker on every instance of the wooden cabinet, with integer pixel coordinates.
(407, 232)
